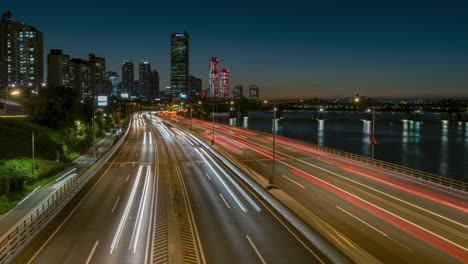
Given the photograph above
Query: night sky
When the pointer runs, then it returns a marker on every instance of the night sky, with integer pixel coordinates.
(290, 49)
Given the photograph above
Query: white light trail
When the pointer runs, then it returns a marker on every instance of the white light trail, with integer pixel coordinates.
(141, 210)
(118, 233)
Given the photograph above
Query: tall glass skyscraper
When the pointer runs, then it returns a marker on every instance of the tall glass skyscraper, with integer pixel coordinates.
(179, 64)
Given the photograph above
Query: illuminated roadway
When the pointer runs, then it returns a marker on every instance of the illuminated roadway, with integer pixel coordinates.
(163, 199)
(396, 218)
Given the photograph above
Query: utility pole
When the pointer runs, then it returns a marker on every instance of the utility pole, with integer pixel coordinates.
(212, 139)
(94, 130)
(33, 165)
(373, 131)
(272, 180)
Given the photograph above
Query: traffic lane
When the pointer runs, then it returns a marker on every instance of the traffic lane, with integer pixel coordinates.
(408, 205)
(415, 197)
(321, 203)
(91, 221)
(228, 218)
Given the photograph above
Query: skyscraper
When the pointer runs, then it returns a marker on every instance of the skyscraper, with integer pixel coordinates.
(213, 78)
(21, 54)
(145, 74)
(254, 92)
(82, 80)
(59, 69)
(238, 92)
(127, 77)
(225, 86)
(154, 85)
(179, 64)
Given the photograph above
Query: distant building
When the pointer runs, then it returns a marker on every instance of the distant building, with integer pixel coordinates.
(254, 92)
(154, 85)
(224, 85)
(59, 69)
(238, 92)
(127, 77)
(113, 77)
(213, 78)
(21, 54)
(179, 64)
(195, 87)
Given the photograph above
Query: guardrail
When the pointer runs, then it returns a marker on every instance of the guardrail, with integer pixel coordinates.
(448, 182)
(31, 224)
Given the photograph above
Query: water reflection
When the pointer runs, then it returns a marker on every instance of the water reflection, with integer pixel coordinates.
(404, 143)
(366, 137)
(320, 132)
(245, 122)
(444, 149)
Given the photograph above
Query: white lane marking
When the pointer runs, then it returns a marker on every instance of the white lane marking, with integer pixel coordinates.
(293, 181)
(76, 207)
(37, 188)
(144, 138)
(141, 211)
(128, 176)
(115, 204)
(246, 196)
(256, 250)
(209, 178)
(133, 164)
(357, 218)
(124, 217)
(261, 163)
(381, 192)
(222, 197)
(150, 138)
(241, 205)
(92, 252)
(388, 212)
(366, 186)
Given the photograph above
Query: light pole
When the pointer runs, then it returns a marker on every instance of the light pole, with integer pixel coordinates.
(373, 142)
(33, 165)
(272, 181)
(213, 113)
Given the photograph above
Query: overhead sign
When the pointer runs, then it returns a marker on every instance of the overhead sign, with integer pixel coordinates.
(102, 100)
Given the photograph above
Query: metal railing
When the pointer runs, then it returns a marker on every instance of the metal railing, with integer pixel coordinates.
(448, 182)
(31, 224)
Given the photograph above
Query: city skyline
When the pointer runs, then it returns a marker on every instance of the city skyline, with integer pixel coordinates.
(325, 51)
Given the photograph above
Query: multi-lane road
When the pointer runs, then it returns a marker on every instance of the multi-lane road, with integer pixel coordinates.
(162, 198)
(396, 218)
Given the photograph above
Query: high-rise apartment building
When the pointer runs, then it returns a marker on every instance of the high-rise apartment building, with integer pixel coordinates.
(59, 69)
(99, 83)
(127, 77)
(21, 54)
(254, 92)
(179, 64)
(224, 85)
(238, 92)
(213, 78)
(82, 81)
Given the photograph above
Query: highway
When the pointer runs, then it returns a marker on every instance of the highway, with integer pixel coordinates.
(394, 217)
(163, 199)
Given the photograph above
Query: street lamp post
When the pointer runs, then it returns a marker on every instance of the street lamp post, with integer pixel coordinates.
(373, 131)
(272, 181)
(213, 113)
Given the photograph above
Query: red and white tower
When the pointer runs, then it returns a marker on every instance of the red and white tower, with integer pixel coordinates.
(224, 84)
(213, 85)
